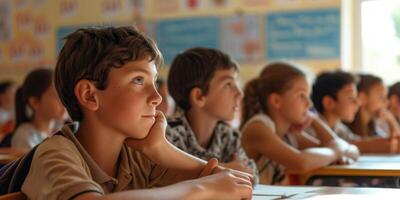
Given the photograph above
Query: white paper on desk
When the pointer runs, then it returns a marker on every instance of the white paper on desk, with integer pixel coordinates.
(281, 190)
(379, 158)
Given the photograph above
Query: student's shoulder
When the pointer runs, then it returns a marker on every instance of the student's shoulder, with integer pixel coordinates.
(57, 144)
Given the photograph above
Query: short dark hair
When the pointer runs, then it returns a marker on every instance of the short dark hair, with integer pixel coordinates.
(394, 90)
(329, 84)
(367, 81)
(195, 68)
(90, 53)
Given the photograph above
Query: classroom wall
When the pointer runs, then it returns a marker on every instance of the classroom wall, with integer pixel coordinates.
(36, 26)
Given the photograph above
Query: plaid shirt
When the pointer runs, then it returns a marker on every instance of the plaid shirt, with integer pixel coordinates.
(224, 143)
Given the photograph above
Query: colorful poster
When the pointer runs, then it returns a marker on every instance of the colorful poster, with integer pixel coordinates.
(310, 34)
(24, 20)
(174, 36)
(257, 3)
(41, 26)
(137, 8)
(5, 20)
(192, 4)
(241, 37)
(68, 8)
(165, 7)
(36, 51)
(220, 3)
(17, 51)
(21, 3)
(39, 3)
(111, 7)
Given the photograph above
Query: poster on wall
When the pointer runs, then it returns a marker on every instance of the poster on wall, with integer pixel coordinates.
(220, 3)
(17, 51)
(39, 3)
(111, 8)
(287, 1)
(165, 7)
(36, 51)
(175, 36)
(21, 3)
(41, 26)
(309, 34)
(24, 20)
(68, 8)
(257, 3)
(241, 37)
(5, 20)
(192, 4)
(136, 8)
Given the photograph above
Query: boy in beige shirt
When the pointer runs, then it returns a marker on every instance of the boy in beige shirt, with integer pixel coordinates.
(106, 80)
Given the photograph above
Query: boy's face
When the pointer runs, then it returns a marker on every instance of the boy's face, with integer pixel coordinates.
(224, 95)
(128, 104)
(346, 104)
(376, 99)
(296, 102)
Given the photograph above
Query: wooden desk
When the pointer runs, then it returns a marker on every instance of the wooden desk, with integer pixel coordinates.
(356, 169)
(266, 192)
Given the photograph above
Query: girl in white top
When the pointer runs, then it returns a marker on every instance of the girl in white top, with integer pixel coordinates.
(276, 103)
(37, 109)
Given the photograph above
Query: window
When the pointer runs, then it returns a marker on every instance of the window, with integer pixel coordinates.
(380, 30)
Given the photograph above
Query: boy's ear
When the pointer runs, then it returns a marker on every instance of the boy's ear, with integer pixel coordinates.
(85, 92)
(328, 103)
(274, 100)
(196, 97)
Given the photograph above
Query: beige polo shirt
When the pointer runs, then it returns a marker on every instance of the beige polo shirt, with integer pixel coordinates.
(62, 169)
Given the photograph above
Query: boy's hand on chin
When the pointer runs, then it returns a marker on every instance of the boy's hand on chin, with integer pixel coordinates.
(155, 137)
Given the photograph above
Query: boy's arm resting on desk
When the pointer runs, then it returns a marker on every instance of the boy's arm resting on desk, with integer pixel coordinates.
(159, 150)
(222, 185)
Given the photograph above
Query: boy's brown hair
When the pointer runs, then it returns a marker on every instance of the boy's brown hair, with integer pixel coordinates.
(195, 67)
(90, 53)
(367, 81)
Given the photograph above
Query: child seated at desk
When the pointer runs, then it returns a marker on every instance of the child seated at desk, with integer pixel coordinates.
(334, 95)
(275, 101)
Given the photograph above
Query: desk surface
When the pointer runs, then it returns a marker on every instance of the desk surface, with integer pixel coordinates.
(388, 169)
(360, 168)
(302, 192)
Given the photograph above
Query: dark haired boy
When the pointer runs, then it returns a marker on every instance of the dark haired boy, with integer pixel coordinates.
(106, 80)
(334, 95)
(203, 83)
